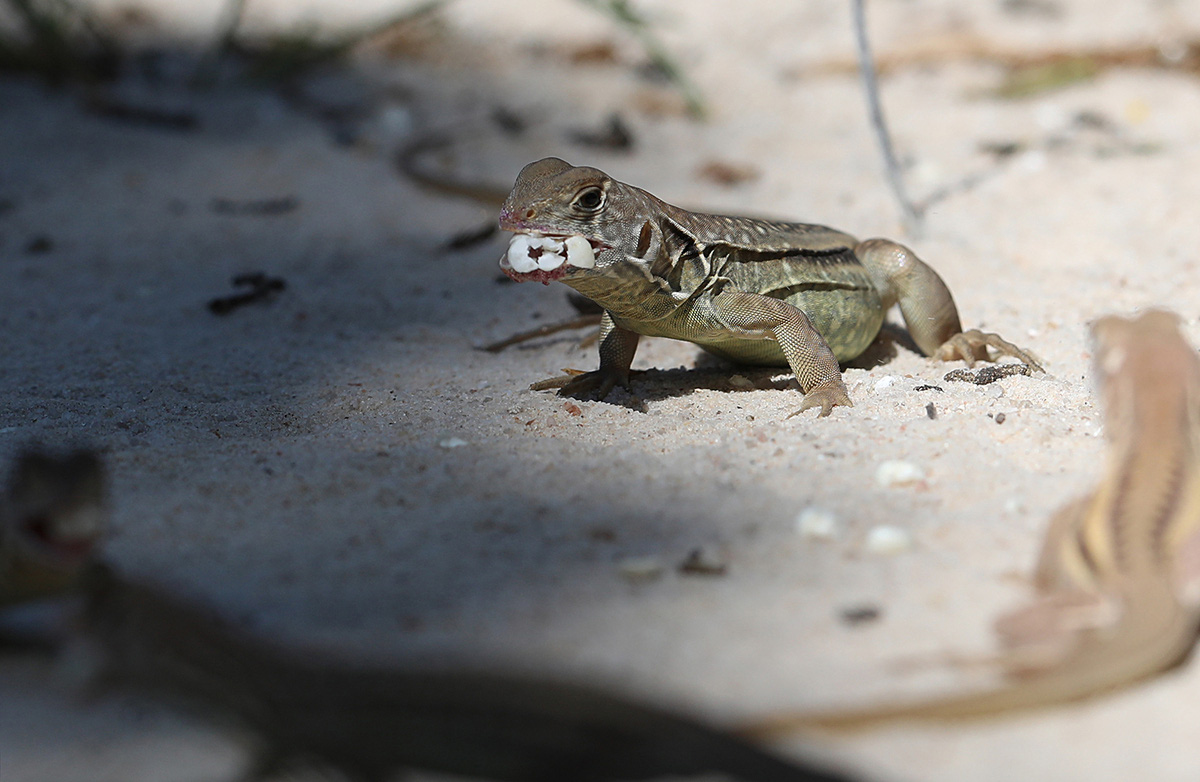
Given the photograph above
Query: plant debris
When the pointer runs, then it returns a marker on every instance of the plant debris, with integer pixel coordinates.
(988, 374)
(614, 136)
(262, 207)
(262, 288)
(860, 614)
(726, 174)
(121, 111)
(703, 561)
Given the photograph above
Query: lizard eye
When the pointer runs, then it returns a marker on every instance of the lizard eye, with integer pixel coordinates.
(590, 199)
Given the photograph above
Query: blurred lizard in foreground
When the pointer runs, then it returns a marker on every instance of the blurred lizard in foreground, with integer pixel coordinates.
(370, 724)
(1119, 571)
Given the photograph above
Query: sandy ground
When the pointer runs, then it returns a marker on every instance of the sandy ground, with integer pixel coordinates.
(343, 469)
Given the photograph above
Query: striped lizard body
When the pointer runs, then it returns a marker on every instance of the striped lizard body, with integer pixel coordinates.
(1119, 571)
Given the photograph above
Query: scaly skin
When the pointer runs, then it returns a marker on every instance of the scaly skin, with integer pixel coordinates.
(1120, 568)
(753, 291)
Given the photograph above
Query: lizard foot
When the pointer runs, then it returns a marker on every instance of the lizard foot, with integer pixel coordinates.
(972, 346)
(582, 385)
(557, 382)
(825, 397)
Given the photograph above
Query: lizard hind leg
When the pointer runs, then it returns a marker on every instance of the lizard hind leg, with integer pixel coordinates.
(928, 307)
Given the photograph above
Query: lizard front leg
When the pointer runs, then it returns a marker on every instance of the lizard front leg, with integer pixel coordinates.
(928, 308)
(806, 351)
(617, 348)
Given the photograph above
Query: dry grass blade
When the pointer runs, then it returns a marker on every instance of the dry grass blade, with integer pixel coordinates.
(621, 12)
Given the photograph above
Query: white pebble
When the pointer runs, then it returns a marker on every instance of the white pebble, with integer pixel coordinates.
(816, 523)
(898, 473)
(887, 381)
(1032, 162)
(396, 121)
(452, 442)
(886, 540)
(1050, 116)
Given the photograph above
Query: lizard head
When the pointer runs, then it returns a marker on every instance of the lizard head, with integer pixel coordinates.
(559, 214)
(55, 508)
(1148, 375)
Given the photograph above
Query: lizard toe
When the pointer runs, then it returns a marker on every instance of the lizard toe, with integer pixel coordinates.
(972, 345)
(825, 397)
(591, 385)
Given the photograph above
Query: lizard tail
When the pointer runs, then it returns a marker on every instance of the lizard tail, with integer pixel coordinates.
(1162, 640)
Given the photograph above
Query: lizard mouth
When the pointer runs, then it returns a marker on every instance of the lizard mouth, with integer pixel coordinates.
(66, 540)
(547, 257)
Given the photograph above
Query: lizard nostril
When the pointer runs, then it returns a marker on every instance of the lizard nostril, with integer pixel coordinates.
(530, 213)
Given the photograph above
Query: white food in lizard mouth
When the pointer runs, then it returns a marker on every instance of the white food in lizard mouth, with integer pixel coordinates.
(527, 253)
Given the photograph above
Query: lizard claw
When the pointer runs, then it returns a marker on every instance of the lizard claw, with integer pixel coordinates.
(972, 346)
(557, 382)
(825, 397)
(581, 385)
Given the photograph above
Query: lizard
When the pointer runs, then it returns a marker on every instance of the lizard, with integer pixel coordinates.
(752, 291)
(1118, 575)
(371, 723)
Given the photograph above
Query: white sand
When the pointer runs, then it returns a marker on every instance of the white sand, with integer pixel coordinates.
(288, 462)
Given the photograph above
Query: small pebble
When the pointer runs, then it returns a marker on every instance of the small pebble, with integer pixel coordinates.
(859, 614)
(887, 540)
(396, 120)
(703, 561)
(1032, 162)
(887, 381)
(816, 523)
(637, 569)
(898, 473)
(741, 382)
(452, 442)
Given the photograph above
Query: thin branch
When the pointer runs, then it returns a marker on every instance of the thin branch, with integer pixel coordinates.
(866, 66)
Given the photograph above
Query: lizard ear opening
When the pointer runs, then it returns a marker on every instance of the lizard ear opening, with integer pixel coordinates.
(590, 199)
(643, 245)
